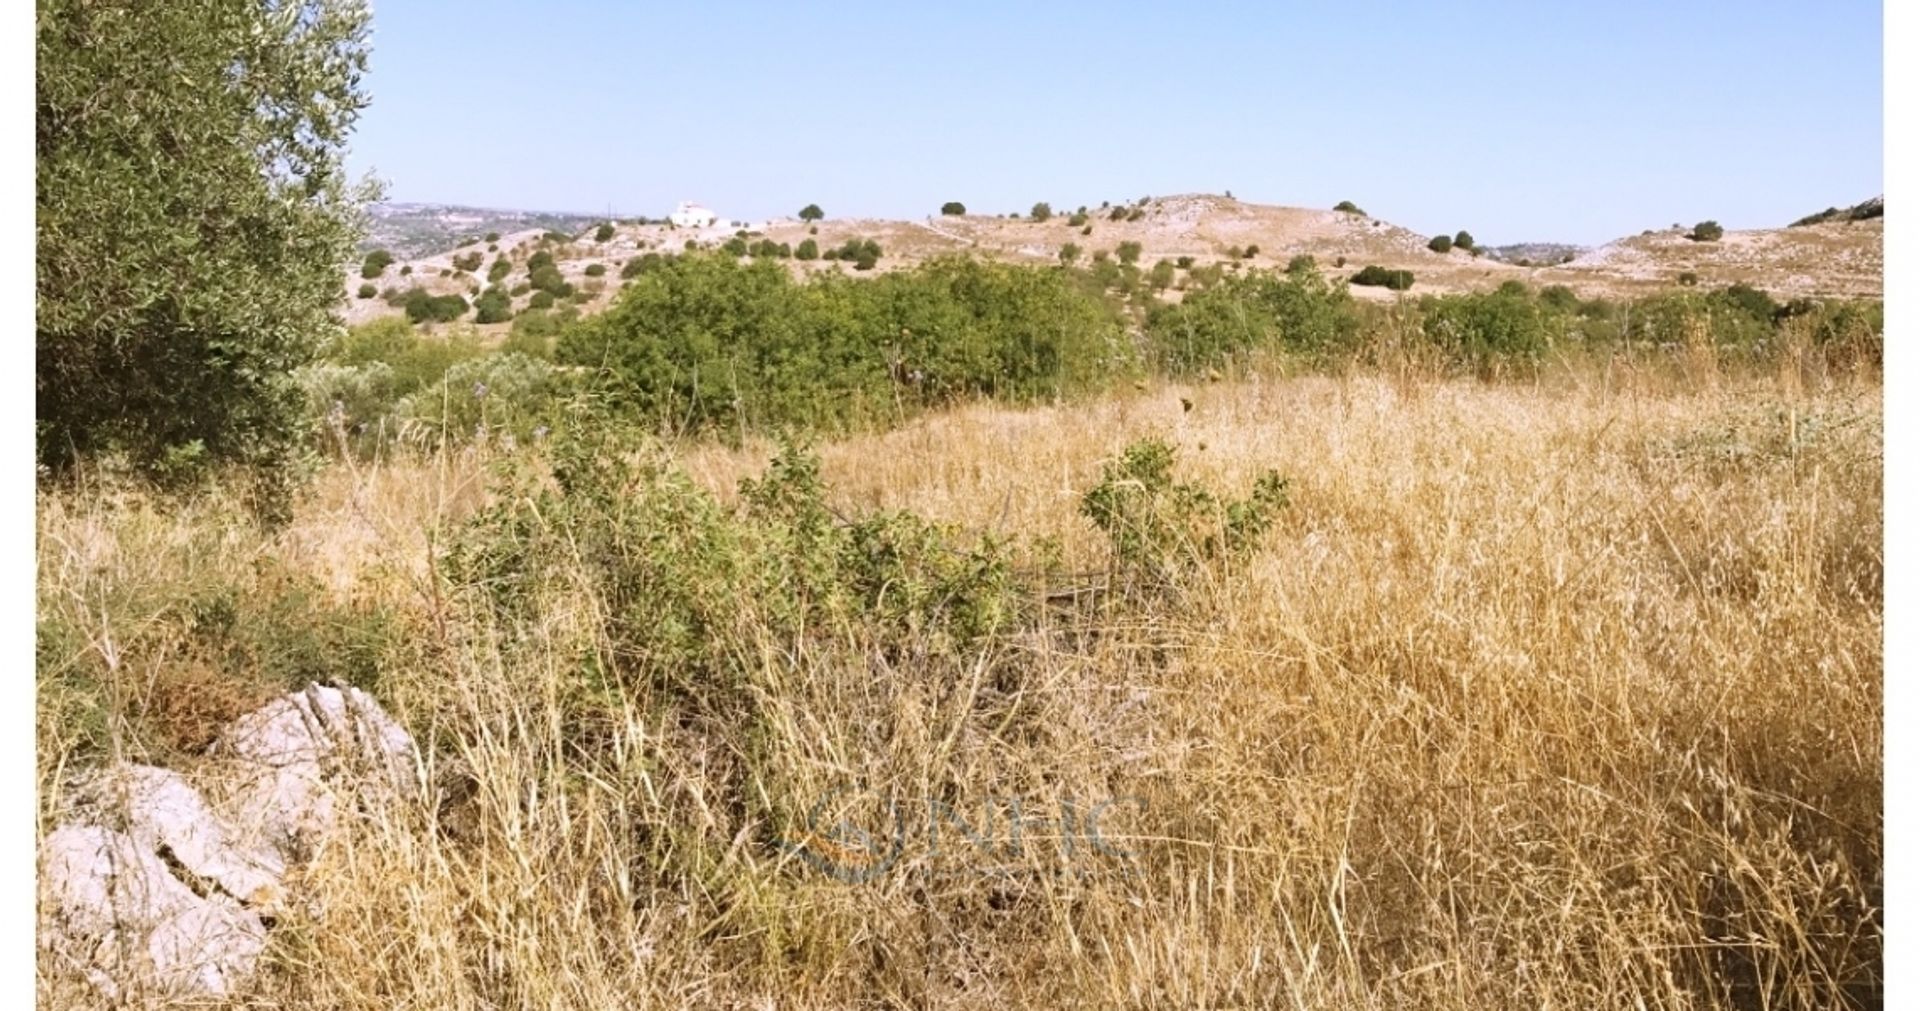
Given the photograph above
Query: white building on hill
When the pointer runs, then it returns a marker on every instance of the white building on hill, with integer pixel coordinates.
(691, 215)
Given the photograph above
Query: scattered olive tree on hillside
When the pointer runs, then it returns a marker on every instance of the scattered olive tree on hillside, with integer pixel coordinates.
(193, 213)
(811, 213)
(953, 208)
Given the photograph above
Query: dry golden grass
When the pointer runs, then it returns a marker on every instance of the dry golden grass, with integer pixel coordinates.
(1561, 695)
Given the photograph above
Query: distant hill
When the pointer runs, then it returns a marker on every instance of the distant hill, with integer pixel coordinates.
(1862, 211)
(412, 230)
(1540, 254)
(444, 250)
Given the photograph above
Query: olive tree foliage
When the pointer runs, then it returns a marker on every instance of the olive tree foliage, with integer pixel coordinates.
(194, 219)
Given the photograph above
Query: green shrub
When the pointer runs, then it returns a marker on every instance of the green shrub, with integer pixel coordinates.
(1136, 214)
(812, 213)
(1127, 252)
(1118, 214)
(1069, 253)
(712, 341)
(807, 250)
(1250, 252)
(735, 246)
(1440, 244)
(1707, 231)
(548, 278)
(1160, 278)
(1465, 240)
(1041, 211)
(499, 271)
(542, 299)
(368, 290)
(1183, 262)
(596, 269)
(1479, 328)
(375, 264)
(639, 265)
(469, 262)
(1160, 530)
(604, 233)
(493, 306)
(1349, 207)
(1381, 277)
(1078, 220)
(1687, 279)
(493, 236)
(423, 307)
(1301, 262)
(953, 208)
(1225, 318)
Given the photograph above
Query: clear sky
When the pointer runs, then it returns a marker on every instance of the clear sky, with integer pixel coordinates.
(1514, 120)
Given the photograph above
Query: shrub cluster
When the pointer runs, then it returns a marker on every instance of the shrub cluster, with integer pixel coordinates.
(1381, 277)
(713, 342)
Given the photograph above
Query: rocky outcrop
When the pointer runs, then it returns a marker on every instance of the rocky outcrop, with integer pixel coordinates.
(154, 884)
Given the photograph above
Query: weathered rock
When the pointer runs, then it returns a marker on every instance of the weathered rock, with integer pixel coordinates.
(119, 916)
(150, 886)
(163, 814)
(294, 760)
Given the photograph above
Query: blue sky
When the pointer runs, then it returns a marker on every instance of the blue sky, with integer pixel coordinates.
(1515, 121)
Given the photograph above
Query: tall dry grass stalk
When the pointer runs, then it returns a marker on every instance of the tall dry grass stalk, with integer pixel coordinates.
(1561, 695)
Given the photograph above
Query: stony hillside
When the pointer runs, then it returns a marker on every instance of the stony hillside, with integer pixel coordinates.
(415, 229)
(1831, 258)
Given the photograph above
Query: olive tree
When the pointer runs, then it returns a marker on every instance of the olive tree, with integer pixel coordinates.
(194, 222)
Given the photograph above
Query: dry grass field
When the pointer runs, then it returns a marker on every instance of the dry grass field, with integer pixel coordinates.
(1554, 694)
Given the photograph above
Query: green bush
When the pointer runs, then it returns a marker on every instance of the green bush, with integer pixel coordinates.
(1707, 231)
(1227, 317)
(1159, 530)
(735, 246)
(499, 271)
(493, 236)
(1183, 262)
(1127, 252)
(639, 265)
(807, 250)
(493, 306)
(812, 213)
(953, 208)
(1381, 277)
(1477, 329)
(469, 262)
(1069, 253)
(712, 341)
(423, 306)
(368, 290)
(1160, 278)
(1078, 220)
(1041, 211)
(596, 269)
(1349, 207)
(1301, 262)
(375, 264)
(542, 299)
(604, 233)
(1465, 240)
(1440, 244)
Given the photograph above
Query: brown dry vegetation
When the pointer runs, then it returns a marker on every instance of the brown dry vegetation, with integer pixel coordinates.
(1561, 694)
